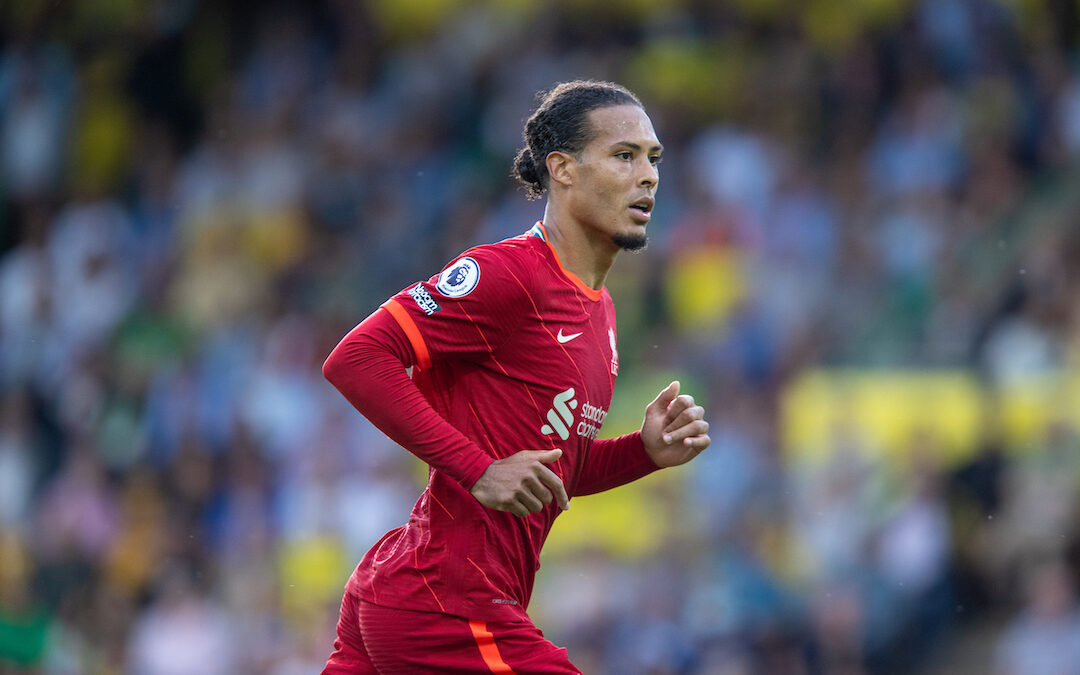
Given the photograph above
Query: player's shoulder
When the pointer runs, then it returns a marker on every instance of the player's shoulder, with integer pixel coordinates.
(520, 249)
(515, 258)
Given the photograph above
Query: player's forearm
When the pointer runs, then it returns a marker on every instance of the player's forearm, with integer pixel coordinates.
(613, 462)
(368, 368)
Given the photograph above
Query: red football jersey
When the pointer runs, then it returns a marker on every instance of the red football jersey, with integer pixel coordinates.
(516, 353)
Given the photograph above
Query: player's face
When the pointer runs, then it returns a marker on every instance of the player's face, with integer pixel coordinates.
(616, 175)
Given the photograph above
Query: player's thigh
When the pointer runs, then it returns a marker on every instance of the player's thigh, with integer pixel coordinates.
(407, 642)
(520, 648)
(350, 656)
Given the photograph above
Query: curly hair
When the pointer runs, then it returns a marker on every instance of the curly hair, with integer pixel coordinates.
(560, 123)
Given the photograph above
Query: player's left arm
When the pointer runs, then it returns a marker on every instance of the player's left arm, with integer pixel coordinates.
(673, 432)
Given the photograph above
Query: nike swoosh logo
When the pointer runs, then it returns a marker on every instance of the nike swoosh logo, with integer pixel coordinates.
(565, 338)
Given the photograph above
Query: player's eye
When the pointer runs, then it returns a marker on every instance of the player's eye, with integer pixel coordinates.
(625, 154)
(655, 159)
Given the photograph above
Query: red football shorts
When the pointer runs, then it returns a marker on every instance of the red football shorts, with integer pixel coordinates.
(376, 639)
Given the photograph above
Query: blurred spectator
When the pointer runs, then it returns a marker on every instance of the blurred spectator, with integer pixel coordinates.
(26, 295)
(1042, 495)
(183, 631)
(1045, 638)
(36, 92)
(18, 468)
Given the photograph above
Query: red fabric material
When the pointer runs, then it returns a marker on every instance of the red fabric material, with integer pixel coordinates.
(520, 359)
(614, 462)
(368, 368)
(406, 642)
(350, 656)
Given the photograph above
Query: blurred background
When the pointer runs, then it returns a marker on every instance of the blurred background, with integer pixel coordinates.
(865, 261)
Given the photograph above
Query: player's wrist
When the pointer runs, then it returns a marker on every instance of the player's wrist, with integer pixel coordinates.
(475, 472)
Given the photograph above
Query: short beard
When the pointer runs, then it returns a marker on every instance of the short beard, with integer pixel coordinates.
(630, 242)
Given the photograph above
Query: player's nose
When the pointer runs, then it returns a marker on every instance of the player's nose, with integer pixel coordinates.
(649, 175)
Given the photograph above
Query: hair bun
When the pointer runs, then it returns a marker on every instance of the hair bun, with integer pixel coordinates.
(525, 170)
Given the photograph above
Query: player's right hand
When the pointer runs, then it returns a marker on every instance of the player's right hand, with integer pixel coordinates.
(521, 483)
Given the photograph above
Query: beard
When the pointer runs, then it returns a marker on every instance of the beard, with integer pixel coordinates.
(631, 242)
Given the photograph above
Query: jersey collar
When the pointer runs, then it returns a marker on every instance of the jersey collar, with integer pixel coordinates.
(538, 230)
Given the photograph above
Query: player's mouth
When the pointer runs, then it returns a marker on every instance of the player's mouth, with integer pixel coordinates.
(642, 209)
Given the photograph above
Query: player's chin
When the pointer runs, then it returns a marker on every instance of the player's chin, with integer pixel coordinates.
(631, 241)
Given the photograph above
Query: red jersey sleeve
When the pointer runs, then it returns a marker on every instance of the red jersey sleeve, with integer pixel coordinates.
(368, 368)
(613, 462)
(468, 310)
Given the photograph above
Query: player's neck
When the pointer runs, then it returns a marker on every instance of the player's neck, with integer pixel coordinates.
(585, 252)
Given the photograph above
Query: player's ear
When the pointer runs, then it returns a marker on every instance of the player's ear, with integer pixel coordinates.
(560, 166)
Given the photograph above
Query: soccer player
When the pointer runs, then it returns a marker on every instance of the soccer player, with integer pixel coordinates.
(514, 358)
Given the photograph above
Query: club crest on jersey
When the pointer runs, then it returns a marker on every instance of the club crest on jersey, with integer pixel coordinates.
(614, 352)
(459, 279)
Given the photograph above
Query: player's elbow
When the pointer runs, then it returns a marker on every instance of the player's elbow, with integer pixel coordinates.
(353, 358)
(329, 368)
(333, 368)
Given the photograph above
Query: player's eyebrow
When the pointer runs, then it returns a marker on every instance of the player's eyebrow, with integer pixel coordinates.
(637, 148)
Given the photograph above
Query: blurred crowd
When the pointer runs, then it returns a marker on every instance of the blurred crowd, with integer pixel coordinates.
(197, 200)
